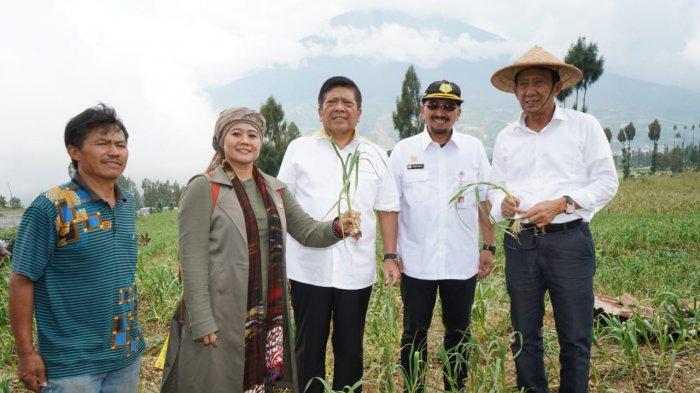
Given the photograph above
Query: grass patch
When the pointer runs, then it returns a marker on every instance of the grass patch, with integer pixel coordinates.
(647, 244)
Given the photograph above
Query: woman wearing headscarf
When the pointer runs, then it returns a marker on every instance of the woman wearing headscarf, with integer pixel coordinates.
(233, 333)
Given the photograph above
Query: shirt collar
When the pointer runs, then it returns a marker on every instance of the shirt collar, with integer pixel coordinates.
(219, 176)
(92, 196)
(426, 140)
(323, 134)
(559, 114)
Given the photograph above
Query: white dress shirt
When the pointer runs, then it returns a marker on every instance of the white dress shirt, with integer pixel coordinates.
(570, 156)
(313, 173)
(438, 240)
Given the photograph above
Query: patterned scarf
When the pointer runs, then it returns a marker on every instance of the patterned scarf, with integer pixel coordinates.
(264, 343)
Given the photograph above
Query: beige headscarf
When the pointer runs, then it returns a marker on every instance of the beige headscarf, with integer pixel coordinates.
(226, 119)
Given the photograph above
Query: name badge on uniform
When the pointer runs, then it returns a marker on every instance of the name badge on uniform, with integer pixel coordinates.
(414, 163)
(461, 202)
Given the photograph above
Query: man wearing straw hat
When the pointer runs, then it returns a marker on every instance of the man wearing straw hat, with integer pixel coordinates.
(558, 166)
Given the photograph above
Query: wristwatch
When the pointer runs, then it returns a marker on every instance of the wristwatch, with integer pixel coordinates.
(570, 205)
(392, 256)
(489, 247)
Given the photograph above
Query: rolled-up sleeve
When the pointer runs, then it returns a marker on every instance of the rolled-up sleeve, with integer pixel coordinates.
(387, 199)
(194, 225)
(395, 164)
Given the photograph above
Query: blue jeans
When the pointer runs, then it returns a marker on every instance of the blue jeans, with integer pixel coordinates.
(562, 263)
(123, 380)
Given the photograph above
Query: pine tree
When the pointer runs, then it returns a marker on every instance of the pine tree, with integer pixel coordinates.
(277, 138)
(622, 138)
(584, 56)
(407, 118)
(654, 135)
(629, 132)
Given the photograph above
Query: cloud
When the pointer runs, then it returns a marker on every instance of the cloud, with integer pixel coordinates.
(155, 62)
(391, 41)
(691, 51)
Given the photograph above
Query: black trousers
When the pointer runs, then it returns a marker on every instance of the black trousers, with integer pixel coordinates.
(419, 298)
(314, 309)
(562, 263)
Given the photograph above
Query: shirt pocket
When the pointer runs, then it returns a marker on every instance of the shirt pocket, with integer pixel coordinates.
(415, 187)
(366, 191)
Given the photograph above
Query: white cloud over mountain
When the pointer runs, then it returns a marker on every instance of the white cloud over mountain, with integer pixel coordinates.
(154, 61)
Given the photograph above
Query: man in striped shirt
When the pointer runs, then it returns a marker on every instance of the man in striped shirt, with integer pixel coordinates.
(73, 269)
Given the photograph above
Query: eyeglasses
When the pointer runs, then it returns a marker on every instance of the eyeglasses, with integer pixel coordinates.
(446, 106)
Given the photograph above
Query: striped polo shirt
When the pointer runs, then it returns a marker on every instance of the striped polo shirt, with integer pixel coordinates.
(81, 255)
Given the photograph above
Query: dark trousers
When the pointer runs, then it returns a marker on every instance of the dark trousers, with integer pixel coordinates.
(418, 298)
(562, 263)
(314, 309)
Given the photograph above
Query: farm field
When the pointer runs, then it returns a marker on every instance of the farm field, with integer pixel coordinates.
(647, 245)
(10, 217)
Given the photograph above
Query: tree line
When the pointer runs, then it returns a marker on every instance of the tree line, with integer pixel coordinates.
(13, 203)
(676, 159)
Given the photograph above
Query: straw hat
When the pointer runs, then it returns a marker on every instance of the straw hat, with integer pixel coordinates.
(504, 79)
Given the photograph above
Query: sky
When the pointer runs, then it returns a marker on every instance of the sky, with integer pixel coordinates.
(155, 61)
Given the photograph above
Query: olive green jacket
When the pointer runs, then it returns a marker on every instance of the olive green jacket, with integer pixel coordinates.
(214, 263)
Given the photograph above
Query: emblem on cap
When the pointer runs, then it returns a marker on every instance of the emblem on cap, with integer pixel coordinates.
(443, 90)
(446, 88)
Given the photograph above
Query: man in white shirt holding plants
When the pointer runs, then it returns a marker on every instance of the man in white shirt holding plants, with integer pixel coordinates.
(334, 284)
(438, 240)
(557, 165)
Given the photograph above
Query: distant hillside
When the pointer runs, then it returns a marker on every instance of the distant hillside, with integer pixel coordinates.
(614, 99)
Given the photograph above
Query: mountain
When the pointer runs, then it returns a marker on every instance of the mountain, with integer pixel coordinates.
(615, 99)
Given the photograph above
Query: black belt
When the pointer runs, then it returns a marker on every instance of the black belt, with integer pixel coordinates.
(549, 228)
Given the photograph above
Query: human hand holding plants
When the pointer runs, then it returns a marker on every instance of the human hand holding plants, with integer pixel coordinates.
(509, 206)
(350, 223)
(544, 212)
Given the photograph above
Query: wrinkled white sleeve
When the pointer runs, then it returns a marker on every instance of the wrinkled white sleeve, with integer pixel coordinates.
(600, 169)
(484, 171)
(387, 199)
(498, 176)
(396, 170)
(287, 173)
